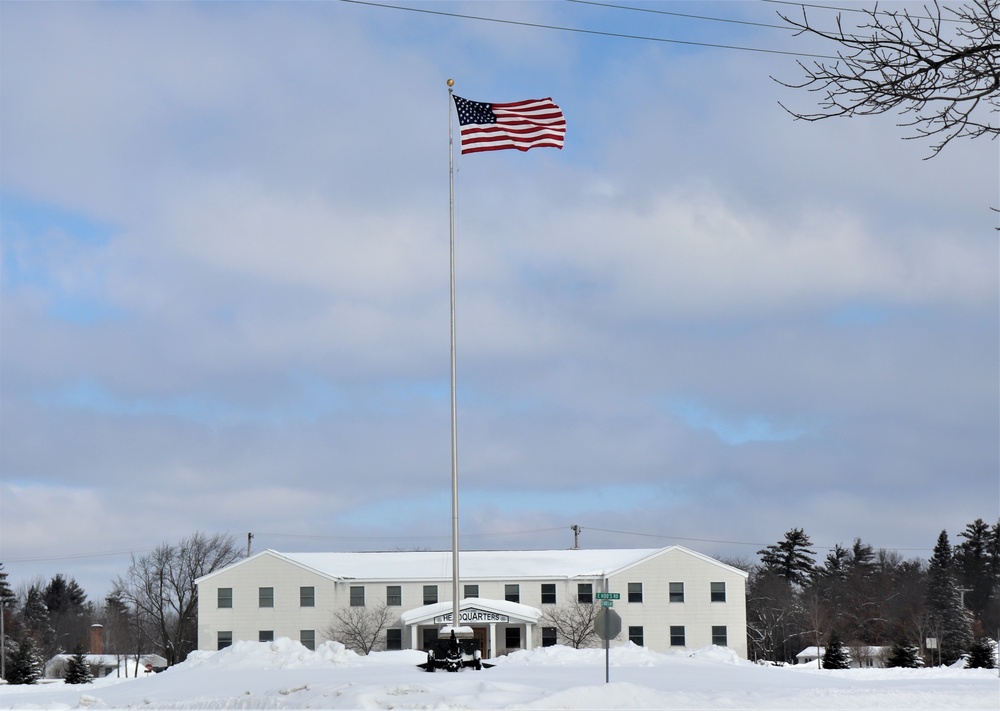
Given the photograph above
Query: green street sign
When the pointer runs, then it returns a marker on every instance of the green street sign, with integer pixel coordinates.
(607, 603)
(608, 596)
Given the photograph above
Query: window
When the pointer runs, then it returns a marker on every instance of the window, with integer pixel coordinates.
(357, 596)
(585, 593)
(548, 593)
(718, 592)
(676, 592)
(393, 595)
(676, 635)
(512, 637)
(635, 635)
(471, 591)
(265, 597)
(225, 639)
(512, 592)
(225, 597)
(308, 638)
(430, 636)
(394, 639)
(549, 636)
(720, 636)
(265, 636)
(635, 592)
(430, 594)
(307, 597)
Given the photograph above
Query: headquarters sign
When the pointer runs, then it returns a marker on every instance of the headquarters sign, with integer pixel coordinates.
(473, 615)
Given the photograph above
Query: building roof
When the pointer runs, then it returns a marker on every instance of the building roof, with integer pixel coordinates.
(400, 566)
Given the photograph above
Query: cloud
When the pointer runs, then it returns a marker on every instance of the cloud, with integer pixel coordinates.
(225, 291)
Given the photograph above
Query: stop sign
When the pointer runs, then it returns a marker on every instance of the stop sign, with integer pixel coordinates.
(607, 624)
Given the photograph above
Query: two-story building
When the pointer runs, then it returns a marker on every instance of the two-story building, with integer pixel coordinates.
(668, 598)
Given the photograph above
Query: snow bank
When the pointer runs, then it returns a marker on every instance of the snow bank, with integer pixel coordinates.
(284, 674)
(626, 655)
(282, 653)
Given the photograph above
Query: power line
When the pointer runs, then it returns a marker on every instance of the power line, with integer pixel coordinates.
(408, 537)
(578, 30)
(661, 536)
(671, 13)
(77, 556)
(737, 543)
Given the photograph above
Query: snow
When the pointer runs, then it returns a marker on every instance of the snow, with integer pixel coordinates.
(285, 675)
(399, 566)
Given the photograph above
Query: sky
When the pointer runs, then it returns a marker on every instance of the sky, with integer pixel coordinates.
(225, 288)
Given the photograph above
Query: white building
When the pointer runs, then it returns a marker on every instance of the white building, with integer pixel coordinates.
(670, 598)
(861, 656)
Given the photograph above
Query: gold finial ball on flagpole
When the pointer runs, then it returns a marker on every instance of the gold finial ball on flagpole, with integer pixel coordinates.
(451, 82)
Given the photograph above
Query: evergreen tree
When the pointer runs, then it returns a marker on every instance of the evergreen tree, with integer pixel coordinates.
(977, 573)
(835, 656)
(7, 596)
(77, 669)
(903, 655)
(944, 616)
(69, 614)
(35, 617)
(791, 558)
(981, 655)
(25, 665)
(62, 596)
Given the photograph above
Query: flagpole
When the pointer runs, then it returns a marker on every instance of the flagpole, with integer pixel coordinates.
(455, 618)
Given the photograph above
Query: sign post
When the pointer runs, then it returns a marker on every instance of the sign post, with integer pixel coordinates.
(607, 625)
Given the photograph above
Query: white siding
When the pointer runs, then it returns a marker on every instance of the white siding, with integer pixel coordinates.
(655, 614)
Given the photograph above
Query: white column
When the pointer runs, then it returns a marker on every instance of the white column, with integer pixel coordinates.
(528, 637)
(413, 637)
(493, 640)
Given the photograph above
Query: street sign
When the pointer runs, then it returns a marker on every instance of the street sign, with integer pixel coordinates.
(608, 596)
(607, 603)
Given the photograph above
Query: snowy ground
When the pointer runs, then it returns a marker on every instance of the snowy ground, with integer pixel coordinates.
(283, 674)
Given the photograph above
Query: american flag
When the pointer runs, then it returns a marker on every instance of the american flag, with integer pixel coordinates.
(534, 123)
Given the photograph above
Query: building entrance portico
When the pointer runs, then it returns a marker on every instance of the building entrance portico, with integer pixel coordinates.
(489, 620)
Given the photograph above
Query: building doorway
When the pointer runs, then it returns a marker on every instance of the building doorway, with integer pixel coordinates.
(482, 635)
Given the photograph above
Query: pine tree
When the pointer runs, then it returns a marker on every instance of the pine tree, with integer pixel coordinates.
(63, 595)
(945, 617)
(77, 669)
(903, 655)
(35, 618)
(25, 666)
(792, 558)
(972, 567)
(7, 596)
(835, 656)
(981, 655)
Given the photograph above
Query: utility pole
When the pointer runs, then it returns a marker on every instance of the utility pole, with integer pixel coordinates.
(249, 538)
(576, 536)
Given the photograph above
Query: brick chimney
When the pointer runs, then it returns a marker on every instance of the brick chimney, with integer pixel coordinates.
(97, 639)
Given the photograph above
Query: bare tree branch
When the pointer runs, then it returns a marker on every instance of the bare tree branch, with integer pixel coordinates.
(574, 622)
(940, 70)
(360, 628)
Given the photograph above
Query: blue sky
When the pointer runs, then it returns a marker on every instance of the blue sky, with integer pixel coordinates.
(225, 288)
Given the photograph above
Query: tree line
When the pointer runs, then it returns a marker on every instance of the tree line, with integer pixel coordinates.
(151, 609)
(857, 596)
(944, 608)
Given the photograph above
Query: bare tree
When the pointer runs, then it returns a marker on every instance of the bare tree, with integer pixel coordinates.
(574, 622)
(360, 628)
(940, 69)
(160, 588)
